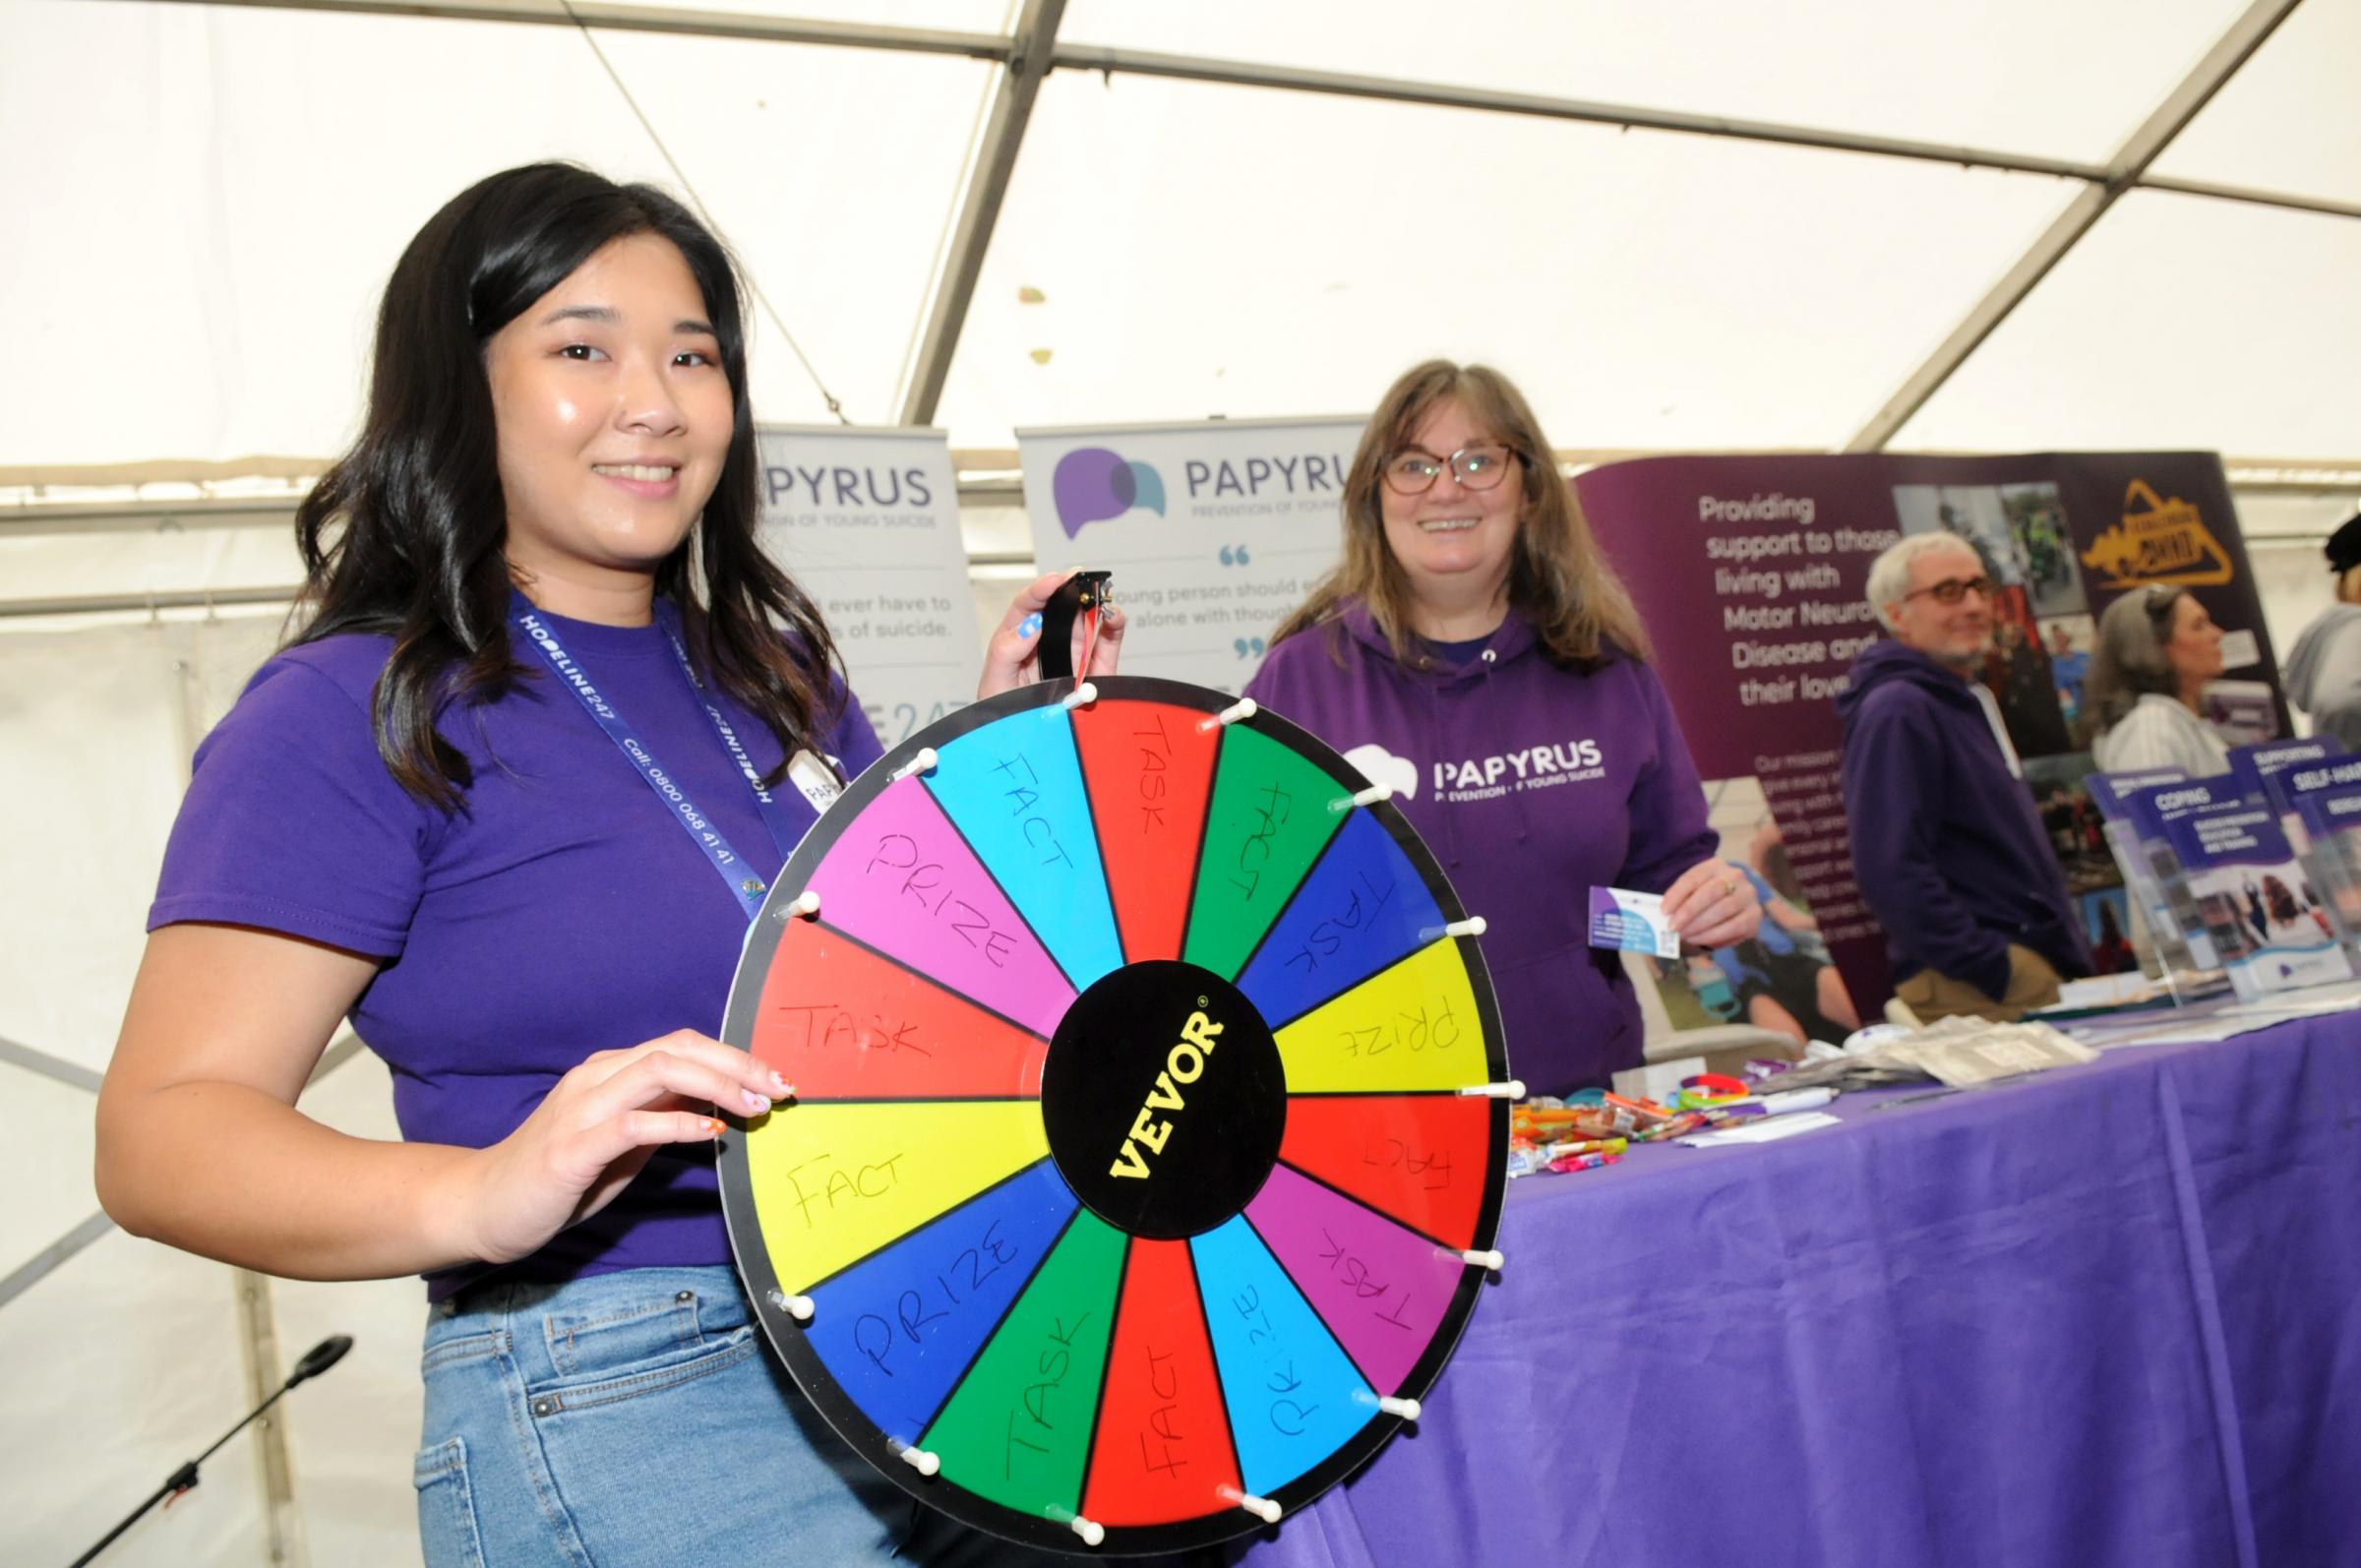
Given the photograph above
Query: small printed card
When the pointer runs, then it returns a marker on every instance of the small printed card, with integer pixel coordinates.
(1632, 922)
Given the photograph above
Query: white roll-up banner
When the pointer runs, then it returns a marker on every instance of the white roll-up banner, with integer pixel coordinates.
(1214, 530)
(868, 522)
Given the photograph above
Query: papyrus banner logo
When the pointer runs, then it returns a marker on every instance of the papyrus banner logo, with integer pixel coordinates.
(2159, 540)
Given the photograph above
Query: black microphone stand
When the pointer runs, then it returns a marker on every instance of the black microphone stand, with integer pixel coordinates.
(319, 1358)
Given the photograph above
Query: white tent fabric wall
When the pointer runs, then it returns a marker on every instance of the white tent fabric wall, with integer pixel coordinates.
(126, 1358)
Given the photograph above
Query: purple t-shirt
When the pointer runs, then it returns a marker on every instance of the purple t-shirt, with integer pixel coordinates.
(1532, 783)
(565, 911)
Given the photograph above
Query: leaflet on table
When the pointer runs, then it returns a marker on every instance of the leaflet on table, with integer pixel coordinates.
(2331, 823)
(2287, 788)
(2108, 792)
(2148, 813)
(2251, 765)
(1632, 922)
(2252, 900)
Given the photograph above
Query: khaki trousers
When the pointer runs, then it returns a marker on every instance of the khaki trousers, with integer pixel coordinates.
(2032, 982)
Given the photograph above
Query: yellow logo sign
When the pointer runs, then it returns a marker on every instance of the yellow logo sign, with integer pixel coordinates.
(2159, 540)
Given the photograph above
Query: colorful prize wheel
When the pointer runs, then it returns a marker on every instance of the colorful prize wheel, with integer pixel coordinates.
(1149, 1107)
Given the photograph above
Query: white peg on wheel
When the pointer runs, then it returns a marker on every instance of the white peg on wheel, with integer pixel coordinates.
(1243, 708)
(1473, 925)
(1514, 1089)
(1090, 1529)
(1081, 696)
(1261, 1508)
(798, 1307)
(805, 904)
(920, 1460)
(1368, 797)
(921, 761)
(1407, 1409)
(1484, 1260)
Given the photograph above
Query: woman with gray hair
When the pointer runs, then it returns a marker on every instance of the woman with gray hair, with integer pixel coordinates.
(2157, 648)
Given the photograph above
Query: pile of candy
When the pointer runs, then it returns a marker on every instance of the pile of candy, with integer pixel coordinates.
(1591, 1127)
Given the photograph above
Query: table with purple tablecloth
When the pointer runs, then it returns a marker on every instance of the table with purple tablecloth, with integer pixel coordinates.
(2110, 1315)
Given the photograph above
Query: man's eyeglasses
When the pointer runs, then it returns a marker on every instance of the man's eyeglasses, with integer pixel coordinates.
(1478, 466)
(1951, 591)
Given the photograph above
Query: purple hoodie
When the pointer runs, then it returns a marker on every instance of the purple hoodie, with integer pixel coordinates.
(1530, 782)
(1947, 848)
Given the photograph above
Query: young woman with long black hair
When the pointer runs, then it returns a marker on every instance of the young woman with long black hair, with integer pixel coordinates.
(506, 800)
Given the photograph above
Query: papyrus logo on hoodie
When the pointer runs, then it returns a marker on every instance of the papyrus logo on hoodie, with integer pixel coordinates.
(1382, 767)
(1535, 768)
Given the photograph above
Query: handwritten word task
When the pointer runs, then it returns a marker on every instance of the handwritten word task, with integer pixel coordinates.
(907, 885)
(833, 1182)
(844, 1023)
(1293, 1396)
(898, 1328)
(1163, 1445)
(1268, 822)
(1149, 769)
(1362, 907)
(1381, 1289)
(1018, 1429)
(1015, 792)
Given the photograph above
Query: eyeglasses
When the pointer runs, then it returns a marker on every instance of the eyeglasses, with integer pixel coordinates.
(1951, 591)
(1478, 466)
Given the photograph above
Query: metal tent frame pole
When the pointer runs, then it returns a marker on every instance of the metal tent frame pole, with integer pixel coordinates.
(2123, 172)
(1027, 64)
(1003, 49)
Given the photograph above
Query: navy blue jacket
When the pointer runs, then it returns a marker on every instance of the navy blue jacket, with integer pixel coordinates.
(1947, 846)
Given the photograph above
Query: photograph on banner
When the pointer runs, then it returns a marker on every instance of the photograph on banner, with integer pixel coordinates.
(868, 522)
(1214, 530)
(1751, 576)
(1783, 980)
(2078, 837)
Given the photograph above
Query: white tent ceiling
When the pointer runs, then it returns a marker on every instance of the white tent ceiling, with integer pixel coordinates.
(208, 198)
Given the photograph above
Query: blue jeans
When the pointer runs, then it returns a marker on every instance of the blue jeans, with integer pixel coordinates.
(638, 1417)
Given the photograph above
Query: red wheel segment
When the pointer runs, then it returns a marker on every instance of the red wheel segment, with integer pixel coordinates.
(1163, 1451)
(1423, 1159)
(843, 1022)
(1149, 766)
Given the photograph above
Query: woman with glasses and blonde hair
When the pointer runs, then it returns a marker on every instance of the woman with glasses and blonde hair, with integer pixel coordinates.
(1474, 651)
(2143, 703)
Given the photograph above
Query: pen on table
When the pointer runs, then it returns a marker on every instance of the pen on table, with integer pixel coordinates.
(1913, 1099)
(1778, 1103)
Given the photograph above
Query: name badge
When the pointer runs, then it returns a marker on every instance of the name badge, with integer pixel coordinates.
(815, 780)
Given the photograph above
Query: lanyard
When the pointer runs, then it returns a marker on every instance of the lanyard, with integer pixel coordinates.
(746, 887)
(783, 832)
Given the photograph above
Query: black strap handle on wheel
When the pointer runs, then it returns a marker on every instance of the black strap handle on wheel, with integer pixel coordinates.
(1084, 594)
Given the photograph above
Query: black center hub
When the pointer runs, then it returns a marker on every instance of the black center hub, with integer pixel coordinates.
(1164, 1099)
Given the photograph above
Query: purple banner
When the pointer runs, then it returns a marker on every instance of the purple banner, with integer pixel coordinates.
(1751, 573)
